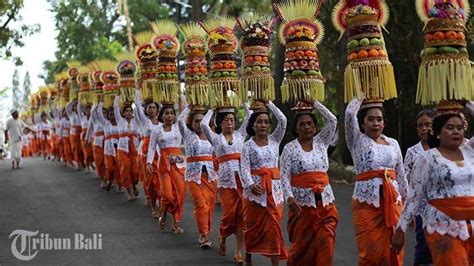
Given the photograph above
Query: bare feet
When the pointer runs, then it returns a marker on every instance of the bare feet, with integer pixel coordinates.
(177, 230)
(222, 247)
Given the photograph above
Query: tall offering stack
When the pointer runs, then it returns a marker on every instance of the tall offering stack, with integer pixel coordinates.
(167, 44)
(86, 97)
(73, 72)
(126, 68)
(256, 79)
(109, 78)
(300, 32)
(147, 60)
(369, 73)
(222, 45)
(97, 86)
(445, 72)
(61, 80)
(196, 70)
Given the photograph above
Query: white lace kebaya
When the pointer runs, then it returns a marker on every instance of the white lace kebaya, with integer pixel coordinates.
(128, 130)
(227, 170)
(146, 125)
(439, 178)
(195, 146)
(294, 160)
(111, 133)
(369, 156)
(96, 128)
(256, 157)
(161, 139)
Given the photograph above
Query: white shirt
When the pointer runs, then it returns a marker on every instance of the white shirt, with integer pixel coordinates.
(439, 178)
(294, 160)
(368, 156)
(125, 128)
(227, 170)
(255, 157)
(14, 128)
(195, 146)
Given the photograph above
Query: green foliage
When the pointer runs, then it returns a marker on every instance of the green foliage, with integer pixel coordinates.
(12, 35)
(16, 90)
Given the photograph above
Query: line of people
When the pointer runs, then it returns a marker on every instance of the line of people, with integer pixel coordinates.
(243, 166)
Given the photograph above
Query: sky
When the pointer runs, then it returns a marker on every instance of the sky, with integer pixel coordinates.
(38, 48)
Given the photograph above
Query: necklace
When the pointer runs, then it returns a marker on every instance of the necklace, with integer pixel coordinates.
(459, 163)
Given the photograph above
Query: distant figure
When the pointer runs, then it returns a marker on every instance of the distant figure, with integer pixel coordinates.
(13, 135)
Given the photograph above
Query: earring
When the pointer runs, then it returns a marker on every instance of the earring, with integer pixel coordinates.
(437, 137)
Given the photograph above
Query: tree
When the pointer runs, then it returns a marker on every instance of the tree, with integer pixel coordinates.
(26, 89)
(11, 36)
(16, 91)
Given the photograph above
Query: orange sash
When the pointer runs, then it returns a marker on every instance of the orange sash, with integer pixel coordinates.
(45, 132)
(99, 133)
(164, 153)
(316, 181)
(128, 135)
(112, 136)
(267, 175)
(228, 157)
(201, 158)
(459, 208)
(389, 193)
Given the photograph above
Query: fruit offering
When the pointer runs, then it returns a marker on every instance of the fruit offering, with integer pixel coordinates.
(369, 73)
(126, 69)
(196, 71)
(300, 32)
(167, 45)
(445, 72)
(257, 79)
(222, 45)
(147, 60)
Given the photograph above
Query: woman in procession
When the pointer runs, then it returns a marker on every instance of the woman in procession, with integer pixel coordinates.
(75, 134)
(381, 186)
(111, 139)
(443, 194)
(95, 133)
(86, 144)
(228, 144)
(127, 154)
(148, 122)
(166, 142)
(424, 121)
(263, 193)
(312, 214)
(200, 175)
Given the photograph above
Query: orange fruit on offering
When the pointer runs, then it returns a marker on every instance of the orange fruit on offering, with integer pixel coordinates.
(428, 37)
(381, 52)
(451, 35)
(461, 36)
(362, 54)
(373, 53)
(439, 35)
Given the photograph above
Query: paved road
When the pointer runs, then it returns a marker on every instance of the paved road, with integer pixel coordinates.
(59, 201)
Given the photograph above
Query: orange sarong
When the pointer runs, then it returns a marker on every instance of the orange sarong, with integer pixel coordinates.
(448, 250)
(99, 161)
(128, 165)
(373, 237)
(112, 172)
(172, 184)
(87, 149)
(76, 148)
(204, 200)
(312, 232)
(262, 229)
(389, 192)
(232, 212)
(67, 152)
